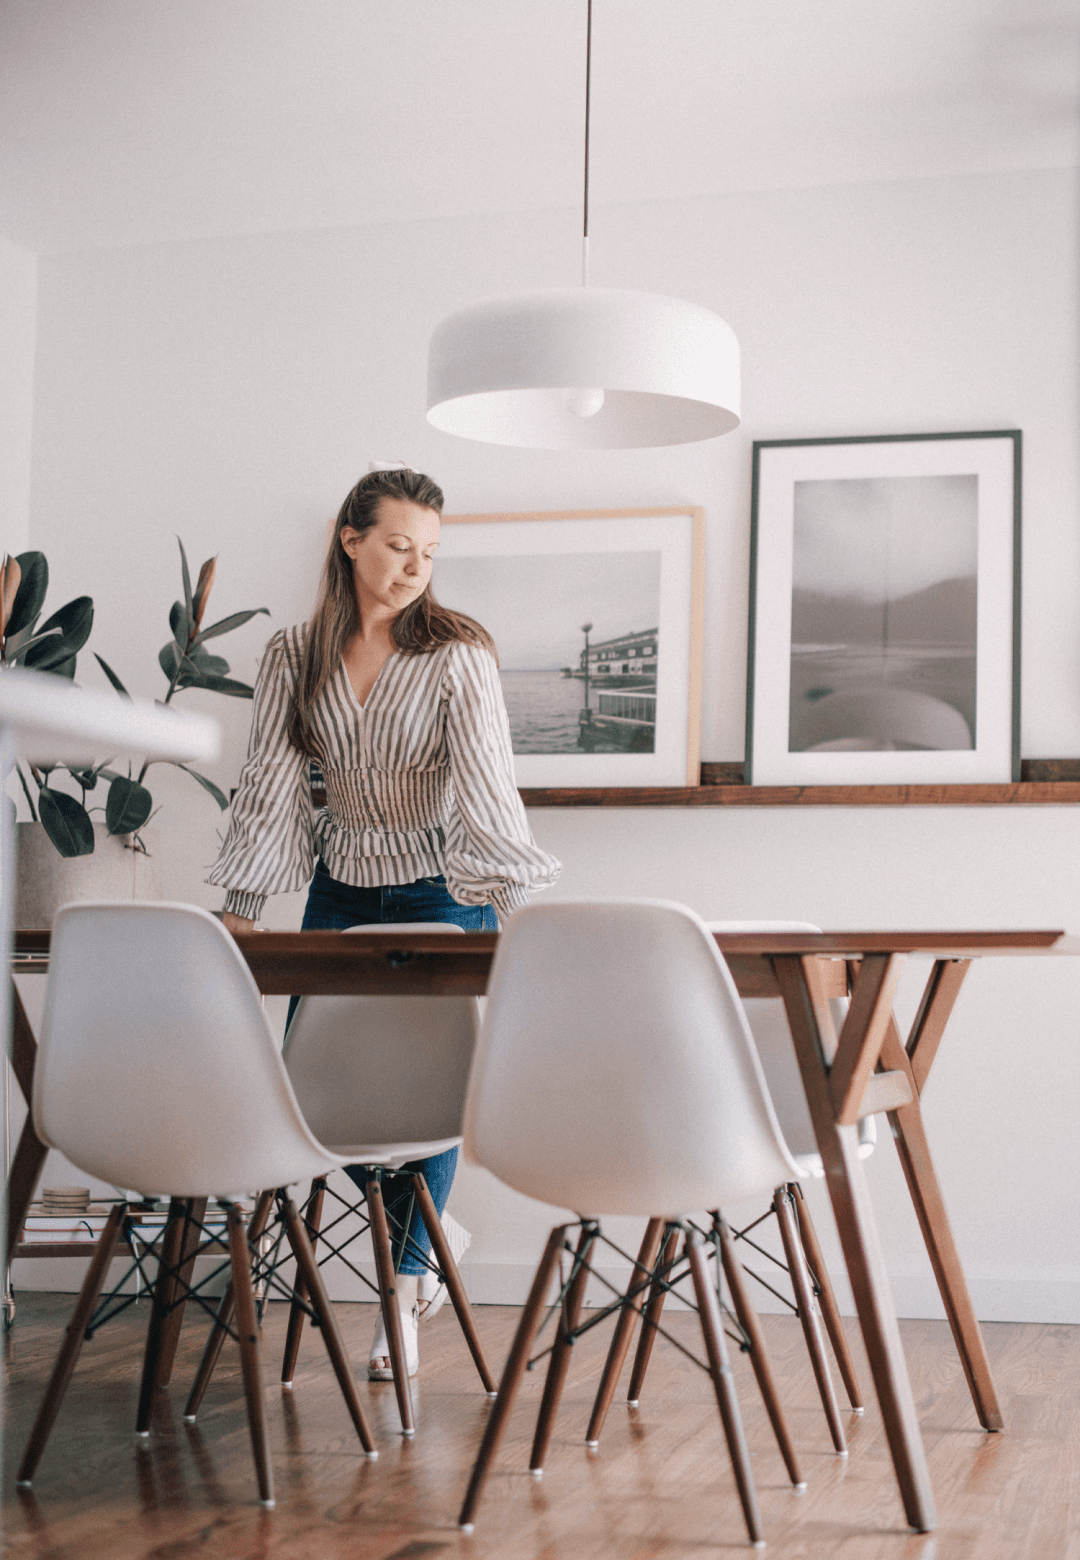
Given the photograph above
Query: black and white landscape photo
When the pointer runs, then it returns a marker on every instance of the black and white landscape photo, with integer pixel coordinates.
(884, 610)
(541, 610)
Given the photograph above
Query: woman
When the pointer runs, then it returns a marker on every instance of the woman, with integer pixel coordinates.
(398, 701)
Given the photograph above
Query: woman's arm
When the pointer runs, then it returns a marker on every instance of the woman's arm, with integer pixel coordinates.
(269, 847)
(491, 855)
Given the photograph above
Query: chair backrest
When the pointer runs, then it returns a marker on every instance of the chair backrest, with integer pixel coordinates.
(615, 1072)
(772, 1037)
(157, 1069)
(383, 1078)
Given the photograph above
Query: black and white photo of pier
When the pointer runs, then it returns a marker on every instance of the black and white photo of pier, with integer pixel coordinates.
(577, 639)
(884, 614)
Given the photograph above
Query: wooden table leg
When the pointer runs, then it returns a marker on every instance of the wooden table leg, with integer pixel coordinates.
(30, 1154)
(808, 1015)
(26, 1168)
(911, 1145)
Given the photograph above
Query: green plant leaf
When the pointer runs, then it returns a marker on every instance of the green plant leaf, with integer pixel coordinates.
(188, 602)
(226, 625)
(208, 665)
(229, 685)
(19, 644)
(67, 823)
(86, 779)
(128, 806)
(171, 658)
(180, 624)
(207, 785)
(111, 675)
(74, 620)
(30, 596)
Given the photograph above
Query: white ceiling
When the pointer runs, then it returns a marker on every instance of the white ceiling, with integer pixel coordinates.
(136, 121)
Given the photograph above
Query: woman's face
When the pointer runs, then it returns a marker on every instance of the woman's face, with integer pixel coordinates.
(392, 561)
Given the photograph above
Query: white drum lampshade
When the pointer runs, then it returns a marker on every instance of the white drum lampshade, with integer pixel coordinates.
(584, 368)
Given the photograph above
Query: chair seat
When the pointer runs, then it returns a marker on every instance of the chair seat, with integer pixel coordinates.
(393, 1155)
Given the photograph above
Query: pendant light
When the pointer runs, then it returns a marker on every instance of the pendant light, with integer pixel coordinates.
(584, 368)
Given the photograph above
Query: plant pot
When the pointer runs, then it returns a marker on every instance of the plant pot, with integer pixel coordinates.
(44, 879)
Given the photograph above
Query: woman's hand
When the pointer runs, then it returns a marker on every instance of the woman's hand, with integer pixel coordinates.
(236, 923)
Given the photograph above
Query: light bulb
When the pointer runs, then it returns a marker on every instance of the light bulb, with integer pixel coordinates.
(584, 403)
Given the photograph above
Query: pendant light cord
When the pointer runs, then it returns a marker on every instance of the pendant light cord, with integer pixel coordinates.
(588, 89)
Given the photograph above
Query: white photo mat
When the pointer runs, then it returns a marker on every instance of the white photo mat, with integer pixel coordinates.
(676, 537)
(993, 460)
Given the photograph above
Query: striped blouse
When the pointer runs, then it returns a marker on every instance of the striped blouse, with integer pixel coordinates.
(419, 783)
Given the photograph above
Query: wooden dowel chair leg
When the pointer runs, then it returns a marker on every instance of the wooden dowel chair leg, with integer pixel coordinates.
(164, 1290)
(459, 1299)
(720, 1369)
(808, 1316)
(629, 1313)
(170, 1332)
(71, 1347)
(830, 1311)
(384, 1267)
(759, 1359)
(559, 1363)
(513, 1371)
(335, 1347)
(653, 1311)
(225, 1310)
(218, 1334)
(247, 1328)
(313, 1221)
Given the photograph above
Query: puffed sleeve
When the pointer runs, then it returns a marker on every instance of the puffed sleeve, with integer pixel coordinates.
(270, 845)
(490, 852)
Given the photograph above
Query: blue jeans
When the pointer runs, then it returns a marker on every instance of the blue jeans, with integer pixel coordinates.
(334, 906)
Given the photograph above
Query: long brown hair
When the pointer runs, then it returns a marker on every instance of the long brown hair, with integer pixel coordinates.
(423, 626)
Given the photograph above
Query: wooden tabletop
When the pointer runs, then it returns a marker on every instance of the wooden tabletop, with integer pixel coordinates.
(434, 964)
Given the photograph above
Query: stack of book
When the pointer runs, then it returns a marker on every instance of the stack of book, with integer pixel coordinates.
(84, 1222)
(48, 1223)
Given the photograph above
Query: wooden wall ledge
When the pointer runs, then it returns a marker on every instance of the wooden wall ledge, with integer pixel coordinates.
(1054, 781)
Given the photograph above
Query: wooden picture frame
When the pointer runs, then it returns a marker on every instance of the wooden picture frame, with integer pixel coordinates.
(884, 627)
(630, 713)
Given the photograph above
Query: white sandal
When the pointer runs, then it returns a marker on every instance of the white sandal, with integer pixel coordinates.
(380, 1348)
(431, 1293)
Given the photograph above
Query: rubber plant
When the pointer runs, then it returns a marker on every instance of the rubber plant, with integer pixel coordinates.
(52, 646)
(186, 663)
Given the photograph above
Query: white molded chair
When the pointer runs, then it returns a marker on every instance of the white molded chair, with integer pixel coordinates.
(157, 1071)
(616, 1074)
(805, 1262)
(381, 1082)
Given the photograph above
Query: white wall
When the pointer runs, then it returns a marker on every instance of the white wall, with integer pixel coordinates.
(18, 318)
(231, 391)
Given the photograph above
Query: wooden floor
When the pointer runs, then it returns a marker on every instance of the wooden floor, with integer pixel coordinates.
(660, 1487)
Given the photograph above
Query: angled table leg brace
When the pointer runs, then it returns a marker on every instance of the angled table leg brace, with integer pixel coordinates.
(915, 1060)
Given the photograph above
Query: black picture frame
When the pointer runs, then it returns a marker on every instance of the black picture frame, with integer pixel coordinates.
(848, 535)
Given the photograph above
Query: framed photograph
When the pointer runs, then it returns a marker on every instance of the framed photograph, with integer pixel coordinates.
(884, 640)
(597, 617)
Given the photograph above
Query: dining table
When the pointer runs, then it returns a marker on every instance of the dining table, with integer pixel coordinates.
(867, 1067)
